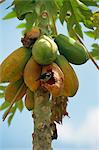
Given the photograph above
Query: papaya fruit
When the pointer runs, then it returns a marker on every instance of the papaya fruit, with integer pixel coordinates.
(15, 90)
(55, 84)
(29, 100)
(31, 72)
(73, 51)
(11, 69)
(71, 83)
(44, 50)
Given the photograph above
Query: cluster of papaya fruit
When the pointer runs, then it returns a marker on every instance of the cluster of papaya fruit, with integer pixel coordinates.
(42, 62)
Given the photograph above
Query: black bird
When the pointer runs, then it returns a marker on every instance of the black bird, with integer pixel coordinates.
(45, 76)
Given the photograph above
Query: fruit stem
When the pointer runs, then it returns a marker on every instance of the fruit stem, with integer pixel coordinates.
(12, 102)
(92, 59)
(42, 112)
(90, 56)
(54, 26)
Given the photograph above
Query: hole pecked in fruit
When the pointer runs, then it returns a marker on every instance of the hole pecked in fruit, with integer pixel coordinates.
(51, 80)
(54, 83)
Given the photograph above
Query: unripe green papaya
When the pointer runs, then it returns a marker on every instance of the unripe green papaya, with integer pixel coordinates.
(29, 100)
(12, 67)
(70, 79)
(32, 72)
(44, 50)
(15, 90)
(73, 51)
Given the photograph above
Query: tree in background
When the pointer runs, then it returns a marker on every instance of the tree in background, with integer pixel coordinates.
(39, 74)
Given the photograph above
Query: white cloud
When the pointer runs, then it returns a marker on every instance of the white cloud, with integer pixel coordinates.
(87, 133)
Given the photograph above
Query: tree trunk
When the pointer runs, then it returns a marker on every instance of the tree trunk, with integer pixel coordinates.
(42, 114)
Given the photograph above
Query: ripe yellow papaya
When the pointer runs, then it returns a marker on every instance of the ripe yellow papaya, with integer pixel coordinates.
(73, 51)
(11, 69)
(15, 90)
(55, 83)
(70, 79)
(29, 100)
(32, 71)
(44, 50)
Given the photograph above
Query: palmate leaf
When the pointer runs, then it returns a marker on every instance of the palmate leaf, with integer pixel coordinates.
(74, 12)
(67, 13)
(30, 19)
(93, 34)
(89, 33)
(23, 7)
(90, 2)
(95, 51)
(59, 3)
(95, 19)
(51, 7)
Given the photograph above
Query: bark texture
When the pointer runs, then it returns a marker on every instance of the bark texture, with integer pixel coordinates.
(42, 113)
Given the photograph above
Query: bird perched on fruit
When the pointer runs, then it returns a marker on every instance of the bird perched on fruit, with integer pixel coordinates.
(45, 76)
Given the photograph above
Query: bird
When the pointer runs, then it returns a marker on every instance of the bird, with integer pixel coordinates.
(45, 76)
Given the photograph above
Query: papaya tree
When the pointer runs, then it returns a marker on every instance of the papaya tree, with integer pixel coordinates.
(41, 70)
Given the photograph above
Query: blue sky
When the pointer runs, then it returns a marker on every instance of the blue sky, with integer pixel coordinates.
(80, 132)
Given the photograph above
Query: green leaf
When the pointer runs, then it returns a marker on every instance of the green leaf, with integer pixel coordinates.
(10, 15)
(21, 25)
(89, 33)
(69, 13)
(95, 19)
(1, 95)
(63, 12)
(23, 7)
(10, 119)
(12, 111)
(4, 105)
(96, 32)
(78, 30)
(95, 51)
(30, 19)
(2, 88)
(82, 13)
(75, 12)
(51, 7)
(93, 34)
(20, 105)
(89, 2)
(59, 3)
